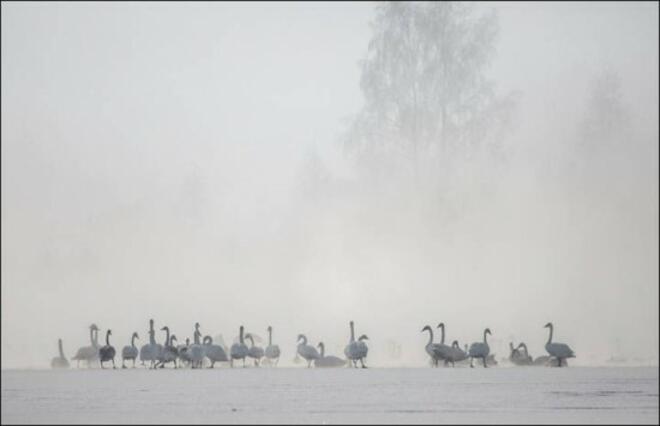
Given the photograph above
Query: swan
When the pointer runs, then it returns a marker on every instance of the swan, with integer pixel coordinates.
(480, 350)
(560, 351)
(107, 352)
(329, 361)
(432, 348)
(445, 350)
(215, 353)
(59, 361)
(518, 357)
(363, 348)
(151, 351)
(196, 350)
(456, 354)
(183, 352)
(130, 352)
(255, 352)
(352, 350)
(239, 350)
(89, 353)
(307, 351)
(272, 351)
(169, 352)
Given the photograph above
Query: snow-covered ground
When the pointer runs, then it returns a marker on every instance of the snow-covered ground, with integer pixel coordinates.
(300, 395)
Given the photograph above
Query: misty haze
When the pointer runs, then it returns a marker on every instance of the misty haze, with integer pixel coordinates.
(302, 166)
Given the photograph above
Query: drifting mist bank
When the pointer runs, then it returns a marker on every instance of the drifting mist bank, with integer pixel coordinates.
(196, 194)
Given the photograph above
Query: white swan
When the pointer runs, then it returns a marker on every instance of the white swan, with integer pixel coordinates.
(519, 357)
(560, 351)
(480, 350)
(151, 351)
(272, 351)
(59, 361)
(89, 353)
(184, 356)
(169, 353)
(363, 349)
(238, 350)
(456, 354)
(432, 348)
(307, 351)
(130, 352)
(107, 352)
(329, 361)
(254, 352)
(215, 353)
(352, 350)
(445, 350)
(196, 350)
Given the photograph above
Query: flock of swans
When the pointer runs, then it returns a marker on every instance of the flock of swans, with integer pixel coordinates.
(558, 353)
(203, 351)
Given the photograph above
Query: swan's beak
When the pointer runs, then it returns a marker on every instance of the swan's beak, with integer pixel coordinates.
(442, 324)
(547, 325)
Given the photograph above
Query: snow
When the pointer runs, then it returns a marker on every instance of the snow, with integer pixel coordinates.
(301, 395)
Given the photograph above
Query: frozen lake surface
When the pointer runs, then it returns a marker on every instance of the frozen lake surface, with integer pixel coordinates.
(300, 395)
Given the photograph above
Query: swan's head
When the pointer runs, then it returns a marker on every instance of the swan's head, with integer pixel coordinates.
(93, 327)
(521, 345)
(151, 322)
(109, 332)
(320, 345)
(136, 335)
(248, 335)
(426, 328)
(351, 323)
(441, 325)
(364, 337)
(300, 337)
(454, 344)
(487, 331)
(269, 329)
(196, 325)
(208, 340)
(187, 341)
(173, 338)
(548, 325)
(166, 328)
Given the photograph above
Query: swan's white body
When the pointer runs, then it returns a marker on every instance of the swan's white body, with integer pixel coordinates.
(560, 351)
(329, 361)
(238, 350)
(89, 353)
(272, 352)
(215, 353)
(254, 352)
(59, 361)
(456, 354)
(354, 351)
(196, 350)
(519, 355)
(307, 351)
(129, 352)
(107, 352)
(432, 349)
(170, 353)
(151, 351)
(480, 350)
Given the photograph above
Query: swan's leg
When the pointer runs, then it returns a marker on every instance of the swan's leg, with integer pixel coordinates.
(133, 362)
(114, 367)
(243, 362)
(123, 365)
(102, 364)
(471, 362)
(362, 362)
(485, 364)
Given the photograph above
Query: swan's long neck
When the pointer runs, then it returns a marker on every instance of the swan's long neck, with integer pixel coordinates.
(107, 338)
(442, 336)
(550, 337)
(59, 345)
(270, 337)
(430, 330)
(251, 340)
(167, 336)
(485, 334)
(524, 346)
(352, 333)
(240, 335)
(152, 337)
(197, 335)
(133, 340)
(91, 336)
(322, 347)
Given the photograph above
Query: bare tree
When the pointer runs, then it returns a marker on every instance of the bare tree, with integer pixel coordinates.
(424, 84)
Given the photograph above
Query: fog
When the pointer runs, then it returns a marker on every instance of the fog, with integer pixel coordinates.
(189, 163)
